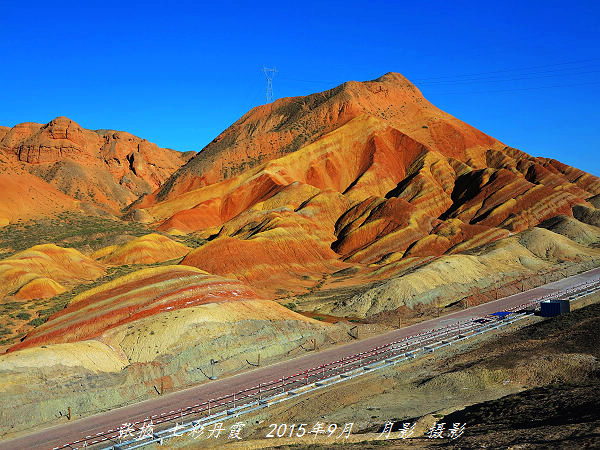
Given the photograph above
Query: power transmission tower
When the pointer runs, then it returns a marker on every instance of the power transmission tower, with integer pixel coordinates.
(269, 73)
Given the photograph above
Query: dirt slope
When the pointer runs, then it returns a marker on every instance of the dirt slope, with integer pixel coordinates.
(24, 196)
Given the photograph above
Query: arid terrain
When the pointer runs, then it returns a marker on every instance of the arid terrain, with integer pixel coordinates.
(530, 386)
(126, 267)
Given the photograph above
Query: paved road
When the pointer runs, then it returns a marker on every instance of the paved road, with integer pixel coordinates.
(61, 434)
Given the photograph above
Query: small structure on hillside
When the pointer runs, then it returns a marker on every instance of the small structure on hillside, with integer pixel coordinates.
(552, 308)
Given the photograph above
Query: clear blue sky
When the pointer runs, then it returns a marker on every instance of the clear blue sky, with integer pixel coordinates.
(178, 73)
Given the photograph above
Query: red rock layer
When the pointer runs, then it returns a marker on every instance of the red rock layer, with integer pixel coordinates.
(283, 252)
(126, 299)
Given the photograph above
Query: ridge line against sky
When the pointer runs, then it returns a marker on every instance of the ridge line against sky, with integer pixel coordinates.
(178, 75)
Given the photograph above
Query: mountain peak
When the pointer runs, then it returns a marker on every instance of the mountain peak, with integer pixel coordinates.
(62, 120)
(288, 124)
(393, 77)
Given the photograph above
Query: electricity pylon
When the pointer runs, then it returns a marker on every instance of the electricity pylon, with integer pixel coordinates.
(269, 73)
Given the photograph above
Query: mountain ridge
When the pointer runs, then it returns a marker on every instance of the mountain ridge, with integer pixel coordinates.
(106, 168)
(297, 121)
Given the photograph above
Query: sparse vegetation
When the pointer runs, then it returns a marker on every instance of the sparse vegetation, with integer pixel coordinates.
(23, 316)
(190, 240)
(36, 322)
(85, 233)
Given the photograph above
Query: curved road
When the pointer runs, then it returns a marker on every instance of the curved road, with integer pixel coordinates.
(61, 434)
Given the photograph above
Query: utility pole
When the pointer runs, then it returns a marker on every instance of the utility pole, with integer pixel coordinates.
(270, 74)
(212, 369)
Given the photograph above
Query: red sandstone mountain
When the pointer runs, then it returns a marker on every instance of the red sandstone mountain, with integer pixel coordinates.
(363, 174)
(273, 130)
(107, 168)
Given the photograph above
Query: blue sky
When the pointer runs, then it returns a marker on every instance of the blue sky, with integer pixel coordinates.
(178, 73)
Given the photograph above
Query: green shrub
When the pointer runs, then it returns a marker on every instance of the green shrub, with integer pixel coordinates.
(37, 322)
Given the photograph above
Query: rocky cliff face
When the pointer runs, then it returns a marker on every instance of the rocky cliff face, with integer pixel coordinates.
(104, 167)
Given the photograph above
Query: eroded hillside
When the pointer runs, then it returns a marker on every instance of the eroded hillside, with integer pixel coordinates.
(381, 182)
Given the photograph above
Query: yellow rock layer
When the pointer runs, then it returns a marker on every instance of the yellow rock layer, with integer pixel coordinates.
(54, 266)
(92, 355)
(150, 337)
(148, 249)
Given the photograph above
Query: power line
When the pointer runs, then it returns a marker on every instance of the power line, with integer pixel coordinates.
(466, 78)
(577, 62)
(521, 89)
(499, 80)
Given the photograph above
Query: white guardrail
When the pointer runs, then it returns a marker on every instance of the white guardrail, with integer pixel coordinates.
(275, 391)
